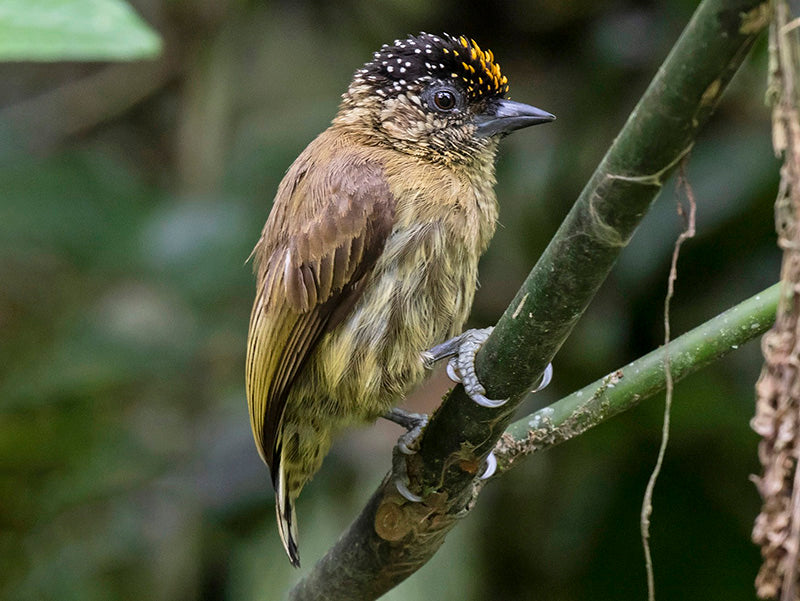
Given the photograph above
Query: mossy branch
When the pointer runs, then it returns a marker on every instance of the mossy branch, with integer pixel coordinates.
(392, 538)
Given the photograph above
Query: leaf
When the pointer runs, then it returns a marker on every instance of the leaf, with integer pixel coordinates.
(57, 30)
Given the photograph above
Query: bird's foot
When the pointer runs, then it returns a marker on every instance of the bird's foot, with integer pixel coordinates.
(407, 444)
(461, 367)
(414, 423)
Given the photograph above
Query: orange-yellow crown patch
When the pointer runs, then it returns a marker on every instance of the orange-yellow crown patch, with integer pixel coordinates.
(480, 71)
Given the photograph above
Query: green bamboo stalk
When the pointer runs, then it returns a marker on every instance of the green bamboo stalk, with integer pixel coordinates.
(392, 538)
(626, 387)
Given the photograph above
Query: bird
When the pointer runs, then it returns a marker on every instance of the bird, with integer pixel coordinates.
(369, 255)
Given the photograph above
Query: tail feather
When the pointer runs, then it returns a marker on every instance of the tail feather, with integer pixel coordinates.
(287, 521)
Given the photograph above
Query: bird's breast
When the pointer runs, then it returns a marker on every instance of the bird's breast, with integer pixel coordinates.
(418, 294)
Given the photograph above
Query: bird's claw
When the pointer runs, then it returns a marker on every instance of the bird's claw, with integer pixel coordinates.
(400, 473)
(452, 373)
(491, 467)
(547, 376)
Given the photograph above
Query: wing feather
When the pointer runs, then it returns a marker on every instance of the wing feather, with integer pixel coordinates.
(325, 276)
(327, 228)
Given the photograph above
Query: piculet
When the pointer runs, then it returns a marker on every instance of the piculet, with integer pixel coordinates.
(370, 253)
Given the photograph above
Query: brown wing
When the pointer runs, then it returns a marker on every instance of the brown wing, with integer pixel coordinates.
(328, 226)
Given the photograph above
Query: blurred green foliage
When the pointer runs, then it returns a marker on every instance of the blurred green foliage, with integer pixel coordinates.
(49, 30)
(130, 197)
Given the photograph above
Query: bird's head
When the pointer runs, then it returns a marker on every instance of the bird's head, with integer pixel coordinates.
(435, 96)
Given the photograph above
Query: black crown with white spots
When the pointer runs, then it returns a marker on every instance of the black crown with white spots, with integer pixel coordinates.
(407, 64)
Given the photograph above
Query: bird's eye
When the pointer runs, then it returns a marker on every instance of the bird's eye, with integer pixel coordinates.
(444, 100)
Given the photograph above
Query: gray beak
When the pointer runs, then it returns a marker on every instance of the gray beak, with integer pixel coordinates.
(504, 116)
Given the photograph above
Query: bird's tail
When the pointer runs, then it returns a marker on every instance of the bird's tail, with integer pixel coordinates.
(287, 522)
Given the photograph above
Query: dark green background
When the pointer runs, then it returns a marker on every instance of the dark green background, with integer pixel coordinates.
(130, 197)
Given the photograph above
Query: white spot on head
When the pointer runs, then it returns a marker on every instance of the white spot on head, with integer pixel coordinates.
(390, 68)
(402, 69)
(417, 51)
